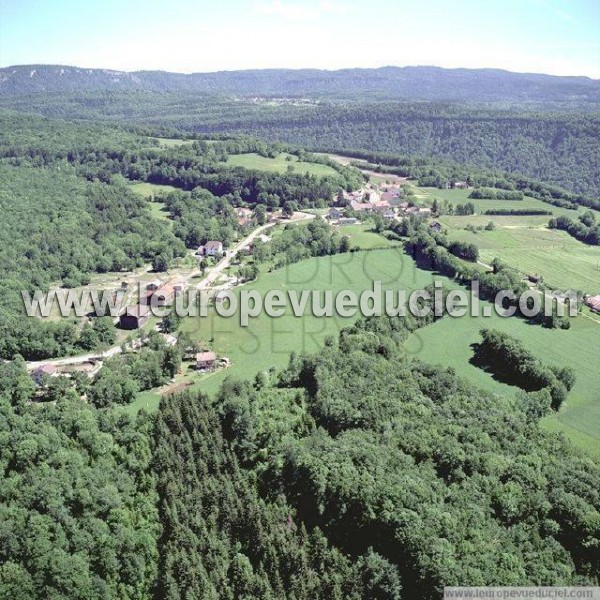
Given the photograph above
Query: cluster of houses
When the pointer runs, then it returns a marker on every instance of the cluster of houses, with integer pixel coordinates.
(387, 201)
(158, 293)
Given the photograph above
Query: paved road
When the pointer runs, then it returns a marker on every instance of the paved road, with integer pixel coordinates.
(74, 360)
(225, 262)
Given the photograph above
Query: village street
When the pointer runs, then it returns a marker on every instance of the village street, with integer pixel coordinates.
(225, 262)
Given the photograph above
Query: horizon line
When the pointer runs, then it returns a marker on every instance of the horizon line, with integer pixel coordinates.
(220, 71)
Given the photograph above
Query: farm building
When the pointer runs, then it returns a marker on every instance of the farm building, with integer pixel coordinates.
(134, 317)
(205, 361)
(43, 372)
(380, 205)
(435, 226)
(396, 201)
(347, 221)
(165, 294)
(361, 206)
(335, 213)
(389, 196)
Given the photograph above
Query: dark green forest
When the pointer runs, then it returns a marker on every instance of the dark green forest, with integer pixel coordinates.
(557, 149)
(312, 482)
(356, 472)
(545, 142)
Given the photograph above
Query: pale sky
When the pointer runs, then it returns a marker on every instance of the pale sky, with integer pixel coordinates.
(559, 37)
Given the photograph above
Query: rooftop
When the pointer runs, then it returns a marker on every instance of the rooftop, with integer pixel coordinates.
(139, 310)
(47, 369)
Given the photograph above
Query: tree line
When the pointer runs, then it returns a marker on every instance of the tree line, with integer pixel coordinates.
(586, 229)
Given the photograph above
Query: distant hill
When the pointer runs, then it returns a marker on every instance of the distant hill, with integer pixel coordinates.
(406, 83)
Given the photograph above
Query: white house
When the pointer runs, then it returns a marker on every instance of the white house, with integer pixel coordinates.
(212, 248)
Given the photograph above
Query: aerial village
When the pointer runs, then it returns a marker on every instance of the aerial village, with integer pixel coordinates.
(387, 199)
(390, 200)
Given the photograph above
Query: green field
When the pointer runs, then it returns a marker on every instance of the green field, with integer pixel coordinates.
(279, 164)
(362, 236)
(149, 189)
(524, 242)
(448, 342)
(462, 196)
(267, 342)
(560, 259)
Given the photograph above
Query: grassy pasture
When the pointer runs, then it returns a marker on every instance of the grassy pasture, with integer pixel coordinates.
(362, 236)
(462, 196)
(267, 342)
(525, 242)
(448, 342)
(563, 261)
(279, 164)
(149, 189)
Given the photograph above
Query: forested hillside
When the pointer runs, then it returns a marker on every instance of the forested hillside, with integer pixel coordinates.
(57, 227)
(77, 502)
(380, 459)
(407, 83)
(352, 474)
(556, 147)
